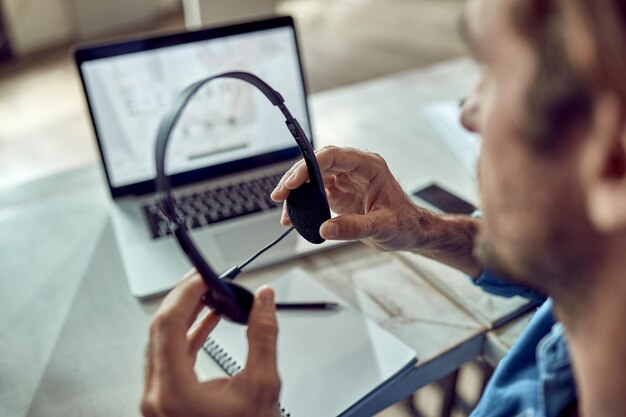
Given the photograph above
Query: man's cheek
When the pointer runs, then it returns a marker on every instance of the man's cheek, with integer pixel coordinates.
(486, 173)
(493, 190)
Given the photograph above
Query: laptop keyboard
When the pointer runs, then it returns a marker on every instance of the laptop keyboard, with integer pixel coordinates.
(203, 207)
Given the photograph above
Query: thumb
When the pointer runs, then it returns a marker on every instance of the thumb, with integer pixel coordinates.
(262, 336)
(349, 227)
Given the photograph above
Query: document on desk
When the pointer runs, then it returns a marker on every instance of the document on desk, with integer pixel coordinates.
(329, 360)
(444, 117)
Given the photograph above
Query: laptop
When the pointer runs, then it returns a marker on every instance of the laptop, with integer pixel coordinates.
(226, 154)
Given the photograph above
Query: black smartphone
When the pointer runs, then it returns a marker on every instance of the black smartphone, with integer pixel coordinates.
(444, 200)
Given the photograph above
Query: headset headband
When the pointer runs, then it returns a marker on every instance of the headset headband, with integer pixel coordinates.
(224, 296)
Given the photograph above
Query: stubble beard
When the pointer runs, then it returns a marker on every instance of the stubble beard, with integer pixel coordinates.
(493, 261)
(558, 265)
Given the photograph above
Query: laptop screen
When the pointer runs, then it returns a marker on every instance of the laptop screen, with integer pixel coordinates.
(228, 120)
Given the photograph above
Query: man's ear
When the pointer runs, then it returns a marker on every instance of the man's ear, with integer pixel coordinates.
(603, 165)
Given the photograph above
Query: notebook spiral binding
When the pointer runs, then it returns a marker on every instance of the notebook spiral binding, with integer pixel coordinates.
(228, 364)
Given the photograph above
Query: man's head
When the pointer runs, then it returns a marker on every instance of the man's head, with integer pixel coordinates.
(538, 119)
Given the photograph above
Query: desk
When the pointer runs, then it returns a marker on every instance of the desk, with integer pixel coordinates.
(498, 342)
(72, 337)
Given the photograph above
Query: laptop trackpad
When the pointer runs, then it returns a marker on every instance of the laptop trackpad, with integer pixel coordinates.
(238, 244)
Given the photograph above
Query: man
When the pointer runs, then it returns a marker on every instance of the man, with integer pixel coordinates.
(552, 177)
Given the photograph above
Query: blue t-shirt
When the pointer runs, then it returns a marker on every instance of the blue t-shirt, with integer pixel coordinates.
(535, 377)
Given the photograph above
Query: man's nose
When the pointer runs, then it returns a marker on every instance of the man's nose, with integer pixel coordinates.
(469, 113)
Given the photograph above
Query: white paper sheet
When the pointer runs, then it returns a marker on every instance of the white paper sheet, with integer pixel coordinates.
(328, 360)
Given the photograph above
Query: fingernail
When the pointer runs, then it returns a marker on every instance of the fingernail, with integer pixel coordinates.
(266, 295)
(331, 229)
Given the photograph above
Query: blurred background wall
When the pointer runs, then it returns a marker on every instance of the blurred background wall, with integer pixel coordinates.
(44, 125)
(34, 25)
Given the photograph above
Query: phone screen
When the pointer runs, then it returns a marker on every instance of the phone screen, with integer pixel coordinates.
(444, 200)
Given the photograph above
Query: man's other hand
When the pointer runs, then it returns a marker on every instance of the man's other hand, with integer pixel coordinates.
(171, 386)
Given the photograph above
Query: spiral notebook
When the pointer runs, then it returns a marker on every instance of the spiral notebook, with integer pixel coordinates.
(330, 361)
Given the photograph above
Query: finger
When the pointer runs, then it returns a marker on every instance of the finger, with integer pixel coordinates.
(182, 303)
(199, 306)
(168, 331)
(343, 160)
(345, 202)
(284, 216)
(189, 274)
(262, 336)
(198, 334)
(147, 368)
(290, 171)
(298, 174)
(349, 227)
(350, 183)
(332, 161)
(194, 316)
(279, 189)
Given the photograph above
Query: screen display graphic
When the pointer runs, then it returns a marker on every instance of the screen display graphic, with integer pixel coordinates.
(227, 120)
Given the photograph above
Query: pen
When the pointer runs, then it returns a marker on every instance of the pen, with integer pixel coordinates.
(322, 305)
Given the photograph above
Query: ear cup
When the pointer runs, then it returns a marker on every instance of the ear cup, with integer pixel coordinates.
(236, 310)
(308, 209)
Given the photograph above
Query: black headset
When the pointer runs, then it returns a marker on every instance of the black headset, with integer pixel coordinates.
(307, 205)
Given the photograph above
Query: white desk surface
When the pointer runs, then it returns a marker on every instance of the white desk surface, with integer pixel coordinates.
(71, 335)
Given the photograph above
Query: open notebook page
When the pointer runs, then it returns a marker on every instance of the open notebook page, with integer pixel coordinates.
(328, 360)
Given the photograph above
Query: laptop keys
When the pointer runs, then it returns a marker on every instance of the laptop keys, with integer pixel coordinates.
(201, 208)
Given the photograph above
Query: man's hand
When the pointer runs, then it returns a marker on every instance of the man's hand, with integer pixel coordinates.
(171, 386)
(372, 206)
(369, 201)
